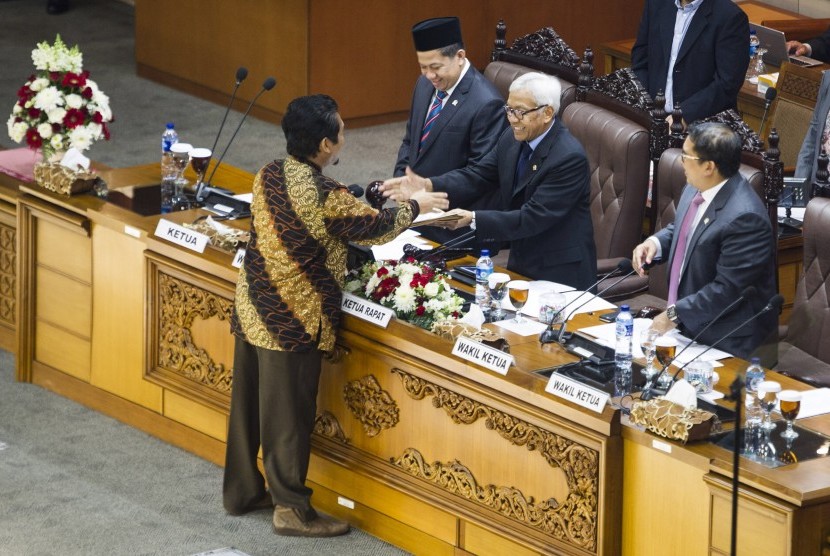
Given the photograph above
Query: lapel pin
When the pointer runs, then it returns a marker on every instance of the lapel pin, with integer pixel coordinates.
(534, 167)
(705, 221)
(455, 102)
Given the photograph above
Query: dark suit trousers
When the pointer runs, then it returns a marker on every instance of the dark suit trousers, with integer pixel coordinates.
(273, 404)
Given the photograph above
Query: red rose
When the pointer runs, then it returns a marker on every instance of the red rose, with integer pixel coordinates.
(87, 93)
(420, 310)
(34, 113)
(24, 93)
(382, 271)
(455, 314)
(73, 80)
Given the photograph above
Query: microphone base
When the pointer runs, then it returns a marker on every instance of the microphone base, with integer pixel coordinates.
(651, 393)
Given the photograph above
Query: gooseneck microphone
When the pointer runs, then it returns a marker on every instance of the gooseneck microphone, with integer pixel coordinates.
(648, 390)
(774, 303)
(769, 96)
(241, 74)
(267, 85)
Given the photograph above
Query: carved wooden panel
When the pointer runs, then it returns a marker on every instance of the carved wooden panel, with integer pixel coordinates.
(573, 520)
(326, 424)
(8, 274)
(371, 405)
(181, 301)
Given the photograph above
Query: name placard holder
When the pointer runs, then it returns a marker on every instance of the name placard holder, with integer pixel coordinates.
(476, 352)
(180, 235)
(238, 258)
(366, 310)
(577, 392)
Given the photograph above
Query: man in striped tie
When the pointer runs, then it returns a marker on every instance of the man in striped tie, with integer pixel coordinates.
(456, 115)
(720, 243)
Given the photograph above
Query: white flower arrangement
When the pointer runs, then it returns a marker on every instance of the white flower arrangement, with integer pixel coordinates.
(417, 292)
(59, 107)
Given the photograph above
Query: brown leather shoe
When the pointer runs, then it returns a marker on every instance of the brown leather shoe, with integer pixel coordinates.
(264, 503)
(287, 522)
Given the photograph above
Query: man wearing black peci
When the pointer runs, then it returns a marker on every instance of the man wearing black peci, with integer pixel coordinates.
(456, 116)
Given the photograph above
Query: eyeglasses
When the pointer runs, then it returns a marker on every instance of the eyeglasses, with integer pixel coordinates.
(518, 113)
(684, 157)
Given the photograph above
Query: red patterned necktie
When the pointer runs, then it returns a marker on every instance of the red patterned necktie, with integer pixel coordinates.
(680, 251)
(434, 110)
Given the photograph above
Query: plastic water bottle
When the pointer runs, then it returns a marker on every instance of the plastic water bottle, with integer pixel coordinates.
(624, 324)
(754, 416)
(484, 268)
(168, 167)
(754, 374)
(754, 43)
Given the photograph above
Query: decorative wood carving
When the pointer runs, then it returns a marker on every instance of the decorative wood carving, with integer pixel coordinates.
(180, 304)
(573, 521)
(749, 139)
(624, 86)
(371, 405)
(8, 274)
(545, 44)
(326, 424)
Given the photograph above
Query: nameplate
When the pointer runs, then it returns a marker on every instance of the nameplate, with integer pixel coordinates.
(366, 310)
(180, 235)
(576, 392)
(490, 358)
(238, 258)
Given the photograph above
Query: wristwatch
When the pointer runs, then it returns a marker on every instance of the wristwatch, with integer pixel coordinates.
(671, 313)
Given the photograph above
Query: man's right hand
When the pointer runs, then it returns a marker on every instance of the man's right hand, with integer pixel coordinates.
(798, 49)
(402, 188)
(643, 253)
(429, 200)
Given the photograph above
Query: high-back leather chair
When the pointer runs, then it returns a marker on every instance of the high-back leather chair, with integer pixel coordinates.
(804, 352)
(543, 51)
(623, 134)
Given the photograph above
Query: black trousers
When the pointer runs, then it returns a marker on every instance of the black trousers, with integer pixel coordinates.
(273, 405)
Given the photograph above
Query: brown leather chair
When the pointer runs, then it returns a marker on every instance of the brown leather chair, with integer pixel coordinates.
(804, 351)
(616, 122)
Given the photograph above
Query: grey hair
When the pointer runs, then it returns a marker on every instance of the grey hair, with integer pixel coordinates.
(544, 88)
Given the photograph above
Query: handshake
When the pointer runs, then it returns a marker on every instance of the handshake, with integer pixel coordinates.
(411, 186)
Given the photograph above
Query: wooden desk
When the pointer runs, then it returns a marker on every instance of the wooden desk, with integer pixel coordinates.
(434, 454)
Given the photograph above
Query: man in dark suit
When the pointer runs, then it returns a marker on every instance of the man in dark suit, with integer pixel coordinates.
(696, 52)
(539, 172)
(456, 115)
(817, 136)
(720, 243)
(817, 47)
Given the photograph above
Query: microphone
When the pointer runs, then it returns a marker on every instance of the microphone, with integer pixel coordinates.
(769, 96)
(547, 336)
(774, 303)
(355, 190)
(241, 74)
(267, 85)
(623, 266)
(649, 390)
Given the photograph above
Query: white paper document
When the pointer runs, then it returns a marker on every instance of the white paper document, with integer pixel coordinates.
(526, 328)
(393, 250)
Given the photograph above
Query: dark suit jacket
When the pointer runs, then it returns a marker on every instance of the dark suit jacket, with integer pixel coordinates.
(547, 217)
(821, 47)
(466, 130)
(807, 163)
(732, 248)
(712, 61)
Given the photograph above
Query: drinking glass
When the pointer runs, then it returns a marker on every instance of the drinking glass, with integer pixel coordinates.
(518, 292)
(767, 394)
(648, 339)
(497, 282)
(760, 68)
(181, 154)
(550, 307)
(665, 348)
(199, 161)
(789, 403)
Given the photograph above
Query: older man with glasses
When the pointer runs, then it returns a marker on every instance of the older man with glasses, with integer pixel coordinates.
(540, 178)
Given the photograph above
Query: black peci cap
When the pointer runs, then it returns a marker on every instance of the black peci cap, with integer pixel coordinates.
(432, 34)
